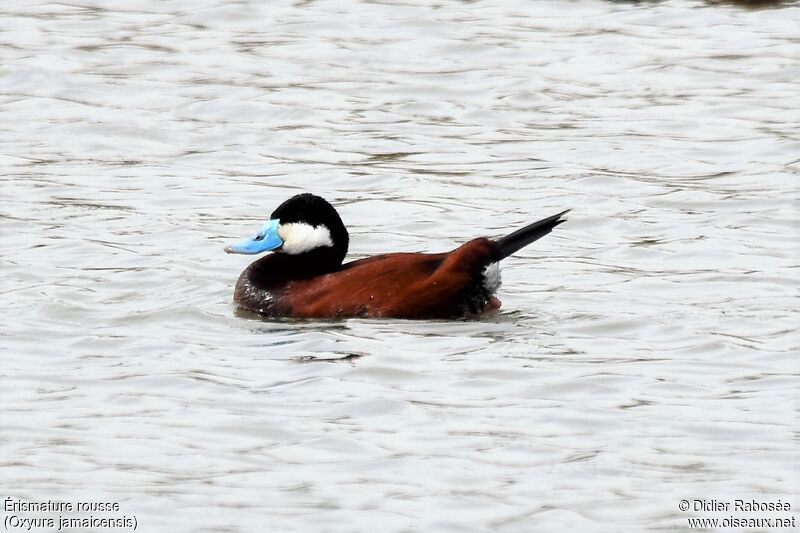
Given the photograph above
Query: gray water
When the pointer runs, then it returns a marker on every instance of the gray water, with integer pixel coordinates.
(646, 351)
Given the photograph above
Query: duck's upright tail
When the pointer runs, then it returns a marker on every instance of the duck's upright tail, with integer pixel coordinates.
(532, 232)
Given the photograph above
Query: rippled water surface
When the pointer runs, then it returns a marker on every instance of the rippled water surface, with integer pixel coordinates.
(646, 351)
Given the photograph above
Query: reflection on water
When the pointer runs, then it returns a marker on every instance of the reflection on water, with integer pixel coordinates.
(645, 352)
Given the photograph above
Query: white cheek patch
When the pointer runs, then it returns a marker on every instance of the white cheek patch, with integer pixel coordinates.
(491, 277)
(299, 237)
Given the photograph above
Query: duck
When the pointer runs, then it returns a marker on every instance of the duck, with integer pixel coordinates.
(304, 275)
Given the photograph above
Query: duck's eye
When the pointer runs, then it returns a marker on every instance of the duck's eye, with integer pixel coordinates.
(258, 238)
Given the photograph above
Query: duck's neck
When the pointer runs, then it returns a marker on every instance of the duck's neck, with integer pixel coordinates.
(279, 268)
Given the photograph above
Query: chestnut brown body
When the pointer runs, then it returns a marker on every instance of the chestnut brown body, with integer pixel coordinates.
(400, 285)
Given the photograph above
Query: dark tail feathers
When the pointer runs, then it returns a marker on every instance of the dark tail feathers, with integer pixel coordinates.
(523, 237)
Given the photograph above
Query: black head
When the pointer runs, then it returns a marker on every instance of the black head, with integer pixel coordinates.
(310, 209)
(306, 227)
(308, 223)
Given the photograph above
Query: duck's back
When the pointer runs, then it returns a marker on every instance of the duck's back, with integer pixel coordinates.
(403, 285)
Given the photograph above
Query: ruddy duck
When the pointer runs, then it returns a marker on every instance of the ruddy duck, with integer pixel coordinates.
(305, 277)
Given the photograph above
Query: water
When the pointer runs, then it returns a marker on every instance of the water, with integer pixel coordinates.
(646, 351)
